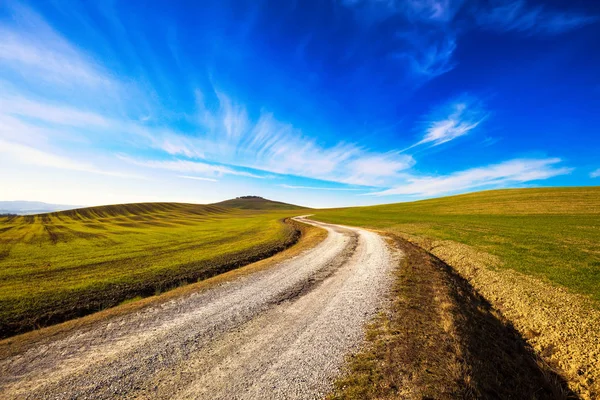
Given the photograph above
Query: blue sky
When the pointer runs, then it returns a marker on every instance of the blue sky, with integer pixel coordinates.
(321, 103)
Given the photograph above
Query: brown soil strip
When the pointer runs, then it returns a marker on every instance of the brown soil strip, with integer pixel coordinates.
(309, 237)
(440, 339)
(561, 326)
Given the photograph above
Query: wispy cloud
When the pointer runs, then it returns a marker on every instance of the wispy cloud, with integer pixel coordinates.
(424, 10)
(23, 154)
(454, 119)
(492, 176)
(374, 170)
(224, 137)
(424, 44)
(198, 178)
(227, 140)
(319, 188)
(595, 174)
(33, 119)
(189, 167)
(518, 16)
(56, 114)
(172, 143)
(270, 145)
(426, 57)
(35, 51)
(432, 10)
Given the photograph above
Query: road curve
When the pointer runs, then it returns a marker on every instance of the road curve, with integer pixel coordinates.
(279, 333)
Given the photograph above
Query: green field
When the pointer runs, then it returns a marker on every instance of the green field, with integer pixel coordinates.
(65, 264)
(552, 233)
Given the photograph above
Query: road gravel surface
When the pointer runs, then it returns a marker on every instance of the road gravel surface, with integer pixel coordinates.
(280, 333)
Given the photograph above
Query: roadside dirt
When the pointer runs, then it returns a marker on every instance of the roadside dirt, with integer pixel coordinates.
(440, 339)
(283, 332)
(562, 327)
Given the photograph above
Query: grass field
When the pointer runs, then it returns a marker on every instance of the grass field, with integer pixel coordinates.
(552, 233)
(61, 265)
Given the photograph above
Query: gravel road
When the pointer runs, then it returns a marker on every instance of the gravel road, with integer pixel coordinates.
(281, 333)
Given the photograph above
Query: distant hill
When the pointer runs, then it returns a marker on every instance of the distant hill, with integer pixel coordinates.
(31, 207)
(141, 211)
(257, 203)
(78, 212)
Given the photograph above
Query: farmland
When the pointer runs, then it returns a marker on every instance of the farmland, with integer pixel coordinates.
(550, 233)
(522, 258)
(66, 264)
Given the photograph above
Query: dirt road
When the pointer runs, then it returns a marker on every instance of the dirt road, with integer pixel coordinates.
(279, 333)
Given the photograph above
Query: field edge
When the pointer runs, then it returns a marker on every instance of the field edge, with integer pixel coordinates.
(440, 338)
(308, 237)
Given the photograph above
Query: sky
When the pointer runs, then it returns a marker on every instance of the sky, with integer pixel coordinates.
(320, 103)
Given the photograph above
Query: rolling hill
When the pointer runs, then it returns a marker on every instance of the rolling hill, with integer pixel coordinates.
(257, 203)
(549, 232)
(522, 258)
(62, 265)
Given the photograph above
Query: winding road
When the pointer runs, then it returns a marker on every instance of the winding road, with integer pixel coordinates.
(280, 333)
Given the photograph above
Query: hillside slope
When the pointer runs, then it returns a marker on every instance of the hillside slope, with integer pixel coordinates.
(550, 232)
(533, 254)
(257, 203)
(65, 264)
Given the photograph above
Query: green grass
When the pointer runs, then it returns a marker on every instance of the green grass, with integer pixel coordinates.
(61, 265)
(552, 233)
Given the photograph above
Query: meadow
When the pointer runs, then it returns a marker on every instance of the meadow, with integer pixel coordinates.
(62, 265)
(551, 233)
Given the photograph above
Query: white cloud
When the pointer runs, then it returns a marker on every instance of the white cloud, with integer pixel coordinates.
(35, 51)
(372, 170)
(32, 156)
(595, 174)
(187, 166)
(229, 137)
(424, 44)
(518, 16)
(33, 120)
(63, 115)
(423, 10)
(434, 10)
(318, 188)
(274, 146)
(427, 58)
(226, 135)
(497, 175)
(173, 144)
(198, 178)
(453, 120)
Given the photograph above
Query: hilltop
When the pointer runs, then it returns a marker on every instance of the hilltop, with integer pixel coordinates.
(257, 203)
(139, 209)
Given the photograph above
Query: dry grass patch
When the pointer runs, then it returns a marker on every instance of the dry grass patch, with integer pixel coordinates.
(442, 340)
(561, 326)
